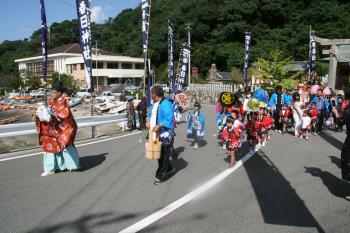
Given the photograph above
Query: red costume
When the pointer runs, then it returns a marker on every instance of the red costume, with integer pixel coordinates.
(314, 113)
(60, 132)
(252, 130)
(260, 124)
(285, 115)
(232, 135)
(266, 122)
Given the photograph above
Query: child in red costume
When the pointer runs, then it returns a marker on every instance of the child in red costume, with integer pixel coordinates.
(314, 117)
(232, 134)
(285, 115)
(251, 130)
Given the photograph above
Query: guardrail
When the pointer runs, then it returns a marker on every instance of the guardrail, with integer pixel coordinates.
(21, 129)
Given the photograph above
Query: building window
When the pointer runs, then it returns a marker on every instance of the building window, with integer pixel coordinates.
(82, 66)
(126, 66)
(101, 80)
(112, 65)
(36, 68)
(74, 67)
(139, 66)
(99, 65)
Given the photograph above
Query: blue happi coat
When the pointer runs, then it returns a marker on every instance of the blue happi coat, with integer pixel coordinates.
(191, 128)
(165, 117)
(273, 100)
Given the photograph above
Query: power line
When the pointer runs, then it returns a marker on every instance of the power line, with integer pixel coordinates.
(68, 3)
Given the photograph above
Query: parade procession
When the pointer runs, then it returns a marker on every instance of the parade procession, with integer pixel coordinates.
(175, 116)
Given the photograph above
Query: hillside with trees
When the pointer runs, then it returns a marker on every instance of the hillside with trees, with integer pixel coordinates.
(218, 28)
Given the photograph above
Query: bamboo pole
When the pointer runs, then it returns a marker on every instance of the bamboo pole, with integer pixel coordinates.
(146, 53)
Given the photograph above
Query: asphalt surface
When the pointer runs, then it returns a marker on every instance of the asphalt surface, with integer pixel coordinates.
(291, 185)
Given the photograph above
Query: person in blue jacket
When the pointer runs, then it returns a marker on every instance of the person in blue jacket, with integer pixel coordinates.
(196, 125)
(288, 97)
(320, 105)
(276, 102)
(161, 121)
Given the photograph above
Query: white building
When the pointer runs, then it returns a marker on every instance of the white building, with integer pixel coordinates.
(67, 59)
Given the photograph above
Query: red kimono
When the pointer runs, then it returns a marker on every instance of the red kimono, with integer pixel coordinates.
(60, 132)
(233, 135)
(259, 124)
(285, 115)
(252, 130)
(266, 121)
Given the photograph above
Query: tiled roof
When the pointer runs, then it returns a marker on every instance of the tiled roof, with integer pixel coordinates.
(74, 48)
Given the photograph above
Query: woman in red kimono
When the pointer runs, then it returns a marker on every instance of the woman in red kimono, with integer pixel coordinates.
(57, 136)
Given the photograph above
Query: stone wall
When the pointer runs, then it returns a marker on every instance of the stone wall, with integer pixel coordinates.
(204, 97)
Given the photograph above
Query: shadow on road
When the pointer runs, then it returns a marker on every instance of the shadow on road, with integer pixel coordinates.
(335, 185)
(336, 161)
(178, 164)
(180, 149)
(88, 162)
(85, 224)
(331, 140)
(278, 201)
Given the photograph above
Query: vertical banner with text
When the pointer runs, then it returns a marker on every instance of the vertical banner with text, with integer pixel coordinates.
(84, 16)
(146, 8)
(171, 72)
(312, 59)
(246, 57)
(43, 38)
(183, 67)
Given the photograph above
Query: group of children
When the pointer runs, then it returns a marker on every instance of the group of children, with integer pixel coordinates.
(281, 111)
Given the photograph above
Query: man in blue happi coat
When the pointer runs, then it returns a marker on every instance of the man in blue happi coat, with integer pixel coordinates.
(161, 121)
(320, 105)
(276, 102)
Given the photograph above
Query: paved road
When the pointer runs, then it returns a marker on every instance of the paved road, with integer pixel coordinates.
(289, 186)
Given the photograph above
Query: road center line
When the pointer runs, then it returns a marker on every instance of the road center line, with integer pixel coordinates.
(83, 144)
(185, 199)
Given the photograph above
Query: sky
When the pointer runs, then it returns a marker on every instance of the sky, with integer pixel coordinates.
(20, 18)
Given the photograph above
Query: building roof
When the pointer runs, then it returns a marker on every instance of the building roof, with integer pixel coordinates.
(75, 49)
(224, 76)
(298, 65)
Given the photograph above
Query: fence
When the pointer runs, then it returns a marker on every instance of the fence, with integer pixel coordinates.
(214, 87)
(21, 129)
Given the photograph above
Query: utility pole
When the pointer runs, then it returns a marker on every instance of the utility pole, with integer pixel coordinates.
(96, 70)
(188, 27)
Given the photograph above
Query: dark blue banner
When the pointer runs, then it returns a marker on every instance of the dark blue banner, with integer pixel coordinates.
(43, 38)
(246, 57)
(185, 53)
(145, 23)
(84, 16)
(145, 8)
(312, 59)
(171, 72)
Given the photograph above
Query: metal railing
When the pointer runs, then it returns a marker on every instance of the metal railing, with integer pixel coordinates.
(213, 87)
(21, 129)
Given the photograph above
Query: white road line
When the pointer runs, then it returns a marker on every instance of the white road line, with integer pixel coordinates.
(84, 144)
(185, 199)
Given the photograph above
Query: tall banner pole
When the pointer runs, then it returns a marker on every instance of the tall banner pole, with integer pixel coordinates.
(183, 67)
(171, 74)
(146, 11)
(44, 44)
(84, 17)
(312, 58)
(246, 57)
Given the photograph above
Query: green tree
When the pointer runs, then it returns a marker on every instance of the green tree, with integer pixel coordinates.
(67, 80)
(33, 82)
(275, 70)
(237, 76)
